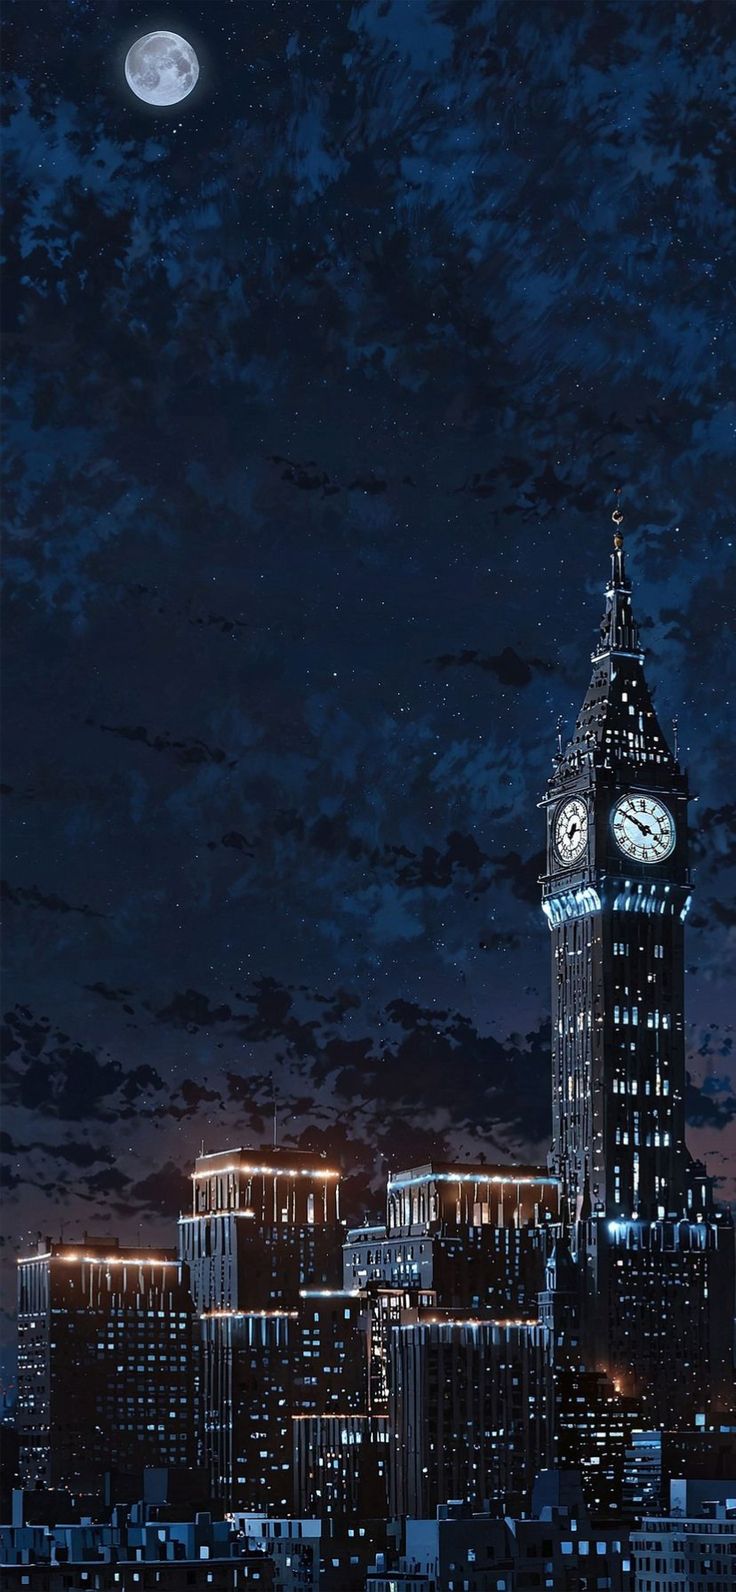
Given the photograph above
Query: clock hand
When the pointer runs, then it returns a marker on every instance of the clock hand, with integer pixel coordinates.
(645, 828)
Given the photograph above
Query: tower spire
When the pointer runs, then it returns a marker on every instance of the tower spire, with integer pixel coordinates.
(618, 572)
(619, 630)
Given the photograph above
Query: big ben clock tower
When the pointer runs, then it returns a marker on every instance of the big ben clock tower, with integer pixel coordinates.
(616, 893)
(654, 1256)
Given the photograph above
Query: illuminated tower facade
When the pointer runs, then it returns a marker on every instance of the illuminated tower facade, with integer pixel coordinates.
(616, 893)
(654, 1257)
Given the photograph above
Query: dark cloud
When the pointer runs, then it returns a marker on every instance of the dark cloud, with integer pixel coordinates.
(52, 1075)
(500, 940)
(713, 835)
(192, 1010)
(710, 1105)
(118, 996)
(76, 1153)
(167, 1191)
(185, 752)
(233, 841)
(18, 895)
(187, 1100)
(522, 874)
(307, 477)
(507, 666)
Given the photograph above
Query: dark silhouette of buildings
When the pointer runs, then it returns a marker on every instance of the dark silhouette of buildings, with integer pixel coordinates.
(139, 1552)
(694, 1549)
(105, 1363)
(593, 1422)
(556, 1545)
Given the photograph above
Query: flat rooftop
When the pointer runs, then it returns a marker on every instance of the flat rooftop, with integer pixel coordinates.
(99, 1250)
(472, 1172)
(264, 1159)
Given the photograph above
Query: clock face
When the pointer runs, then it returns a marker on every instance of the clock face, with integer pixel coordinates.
(571, 830)
(644, 828)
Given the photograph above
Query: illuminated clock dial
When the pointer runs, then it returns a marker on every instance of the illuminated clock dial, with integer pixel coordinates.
(644, 828)
(571, 830)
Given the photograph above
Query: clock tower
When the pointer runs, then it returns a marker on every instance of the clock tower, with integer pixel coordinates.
(615, 894)
(653, 1255)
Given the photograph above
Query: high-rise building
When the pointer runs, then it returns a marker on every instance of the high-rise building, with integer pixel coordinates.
(707, 1454)
(277, 1334)
(264, 1223)
(470, 1412)
(593, 1421)
(476, 1236)
(642, 1482)
(260, 1369)
(655, 1258)
(105, 1363)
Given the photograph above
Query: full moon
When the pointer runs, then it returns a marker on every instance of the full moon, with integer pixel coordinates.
(161, 68)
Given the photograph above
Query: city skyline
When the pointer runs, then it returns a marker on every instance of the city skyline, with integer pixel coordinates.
(509, 1332)
(306, 565)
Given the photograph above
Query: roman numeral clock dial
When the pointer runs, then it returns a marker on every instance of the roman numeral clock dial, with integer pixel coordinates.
(644, 828)
(571, 830)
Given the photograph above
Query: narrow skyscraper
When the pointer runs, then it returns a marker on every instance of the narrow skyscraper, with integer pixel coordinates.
(263, 1232)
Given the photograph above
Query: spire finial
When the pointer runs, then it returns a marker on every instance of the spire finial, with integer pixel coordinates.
(618, 520)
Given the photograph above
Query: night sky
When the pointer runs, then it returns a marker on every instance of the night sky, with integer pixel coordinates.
(317, 390)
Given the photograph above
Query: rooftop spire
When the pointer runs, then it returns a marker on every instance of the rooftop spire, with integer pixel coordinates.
(618, 572)
(617, 726)
(619, 631)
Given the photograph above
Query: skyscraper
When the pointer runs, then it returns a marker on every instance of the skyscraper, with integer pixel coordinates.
(477, 1236)
(264, 1231)
(655, 1258)
(470, 1412)
(264, 1223)
(105, 1363)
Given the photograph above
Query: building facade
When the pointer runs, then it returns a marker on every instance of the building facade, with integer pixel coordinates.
(264, 1223)
(677, 1554)
(105, 1363)
(259, 1370)
(277, 1334)
(476, 1237)
(341, 1467)
(471, 1412)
